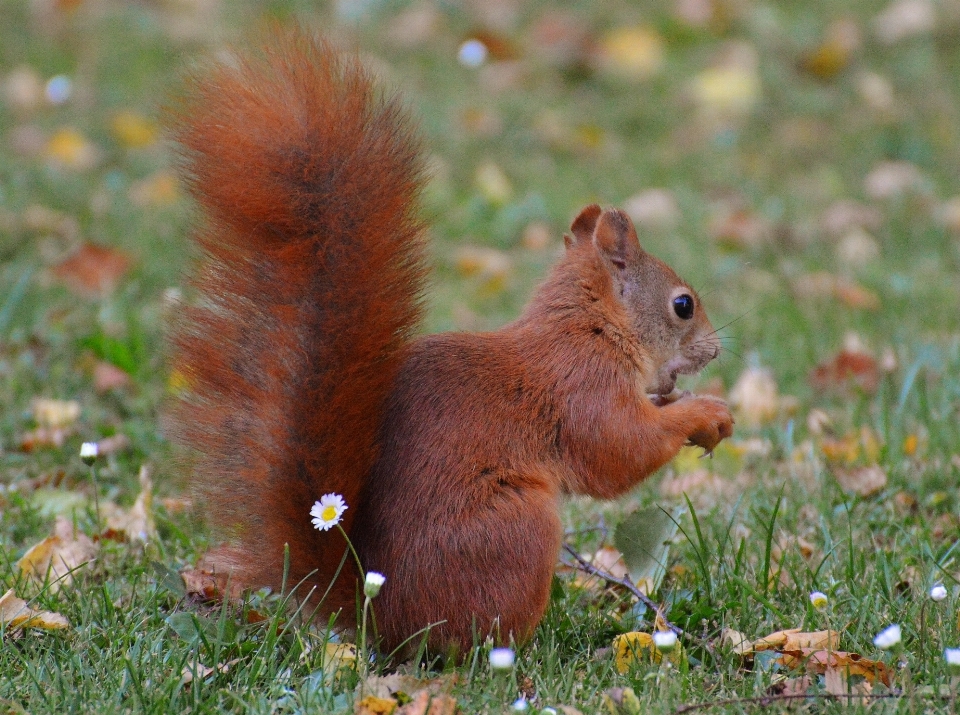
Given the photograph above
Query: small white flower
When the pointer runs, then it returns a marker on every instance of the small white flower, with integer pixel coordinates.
(501, 658)
(819, 600)
(326, 513)
(373, 583)
(938, 592)
(665, 641)
(888, 637)
(88, 452)
(473, 53)
(952, 656)
(520, 704)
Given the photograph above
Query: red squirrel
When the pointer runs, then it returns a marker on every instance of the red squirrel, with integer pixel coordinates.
(305, 374)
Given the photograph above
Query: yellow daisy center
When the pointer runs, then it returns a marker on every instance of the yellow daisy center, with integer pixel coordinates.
(329, 513)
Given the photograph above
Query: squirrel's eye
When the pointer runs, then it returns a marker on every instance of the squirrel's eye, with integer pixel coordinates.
(683, 306)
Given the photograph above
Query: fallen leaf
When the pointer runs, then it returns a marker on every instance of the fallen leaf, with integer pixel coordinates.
(204, 584)
(560, 38)
(634, 53)
(891, 179)
(609, 559)
(537, 236)
(740, 229)
(795, 639)
(863, 481)
(201, 671)
(736, 641)
(23, 89)
(339, 656)
(846, 215)
(490, 266)
(653, 208)
(492, 183)
(817, 662)
(54, 559)
(821, 284)
(755, 396)
(904, 19)
(622, 701)
(133, 130)
(159, 189)
(637, 646)
(137, 523)
(732, 87)
(71, 149)
(372, 705)
(16, 615)
(93, 271)
(832, 56)
(55, 423)
(847, 369)
(107, 377)
(424, 703)
(55, 413)
(113, 444)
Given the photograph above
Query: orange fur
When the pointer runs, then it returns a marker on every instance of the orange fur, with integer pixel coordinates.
(451, 450)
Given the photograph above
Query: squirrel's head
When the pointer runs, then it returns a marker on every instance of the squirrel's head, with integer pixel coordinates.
(664, 311)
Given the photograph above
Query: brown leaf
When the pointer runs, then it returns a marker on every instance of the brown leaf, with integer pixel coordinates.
(136, 523)
(203, 672)
(203, 584)
(55, 558)
(93, 271)
(107, 377)
(423, 703)
(863, 481)
(817, 662)
(847, 369)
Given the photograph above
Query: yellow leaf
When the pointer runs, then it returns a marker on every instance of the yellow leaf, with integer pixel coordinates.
(55, 558)
(493, 184)
(910, 445)
(16, 614)
(632, 52)
(55, 413)
(755, 396)
(133, 130)
(372, 705)
(629, 648)
(158, 189)
(72, 149)
(727, 90)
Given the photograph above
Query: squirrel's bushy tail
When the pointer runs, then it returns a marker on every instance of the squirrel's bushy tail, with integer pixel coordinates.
(308, 287)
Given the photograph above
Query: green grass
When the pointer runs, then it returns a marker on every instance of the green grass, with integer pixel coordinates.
(808, 143)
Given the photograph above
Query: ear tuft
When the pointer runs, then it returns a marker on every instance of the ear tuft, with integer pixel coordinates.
(616, 238)
(583, 225)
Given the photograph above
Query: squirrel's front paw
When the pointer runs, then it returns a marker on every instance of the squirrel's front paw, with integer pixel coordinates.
(714, 423)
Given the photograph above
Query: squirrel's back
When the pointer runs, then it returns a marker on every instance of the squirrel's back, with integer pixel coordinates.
(308, 287)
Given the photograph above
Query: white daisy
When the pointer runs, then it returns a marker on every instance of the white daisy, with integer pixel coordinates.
(501, 658)
(938, 592)
(888, 637)
(372, 584)
(665, 641)
(819, 600)
(326, 513)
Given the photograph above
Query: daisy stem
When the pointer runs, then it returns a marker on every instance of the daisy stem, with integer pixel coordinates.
(352, 551)
(96, 495)
(363, 660)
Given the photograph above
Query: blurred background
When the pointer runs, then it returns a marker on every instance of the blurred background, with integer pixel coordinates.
(797, 162)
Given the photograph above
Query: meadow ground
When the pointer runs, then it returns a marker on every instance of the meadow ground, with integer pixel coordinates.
(796, 161)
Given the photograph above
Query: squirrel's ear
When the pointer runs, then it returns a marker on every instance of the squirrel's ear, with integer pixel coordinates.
(616, 238)
(583, 226)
